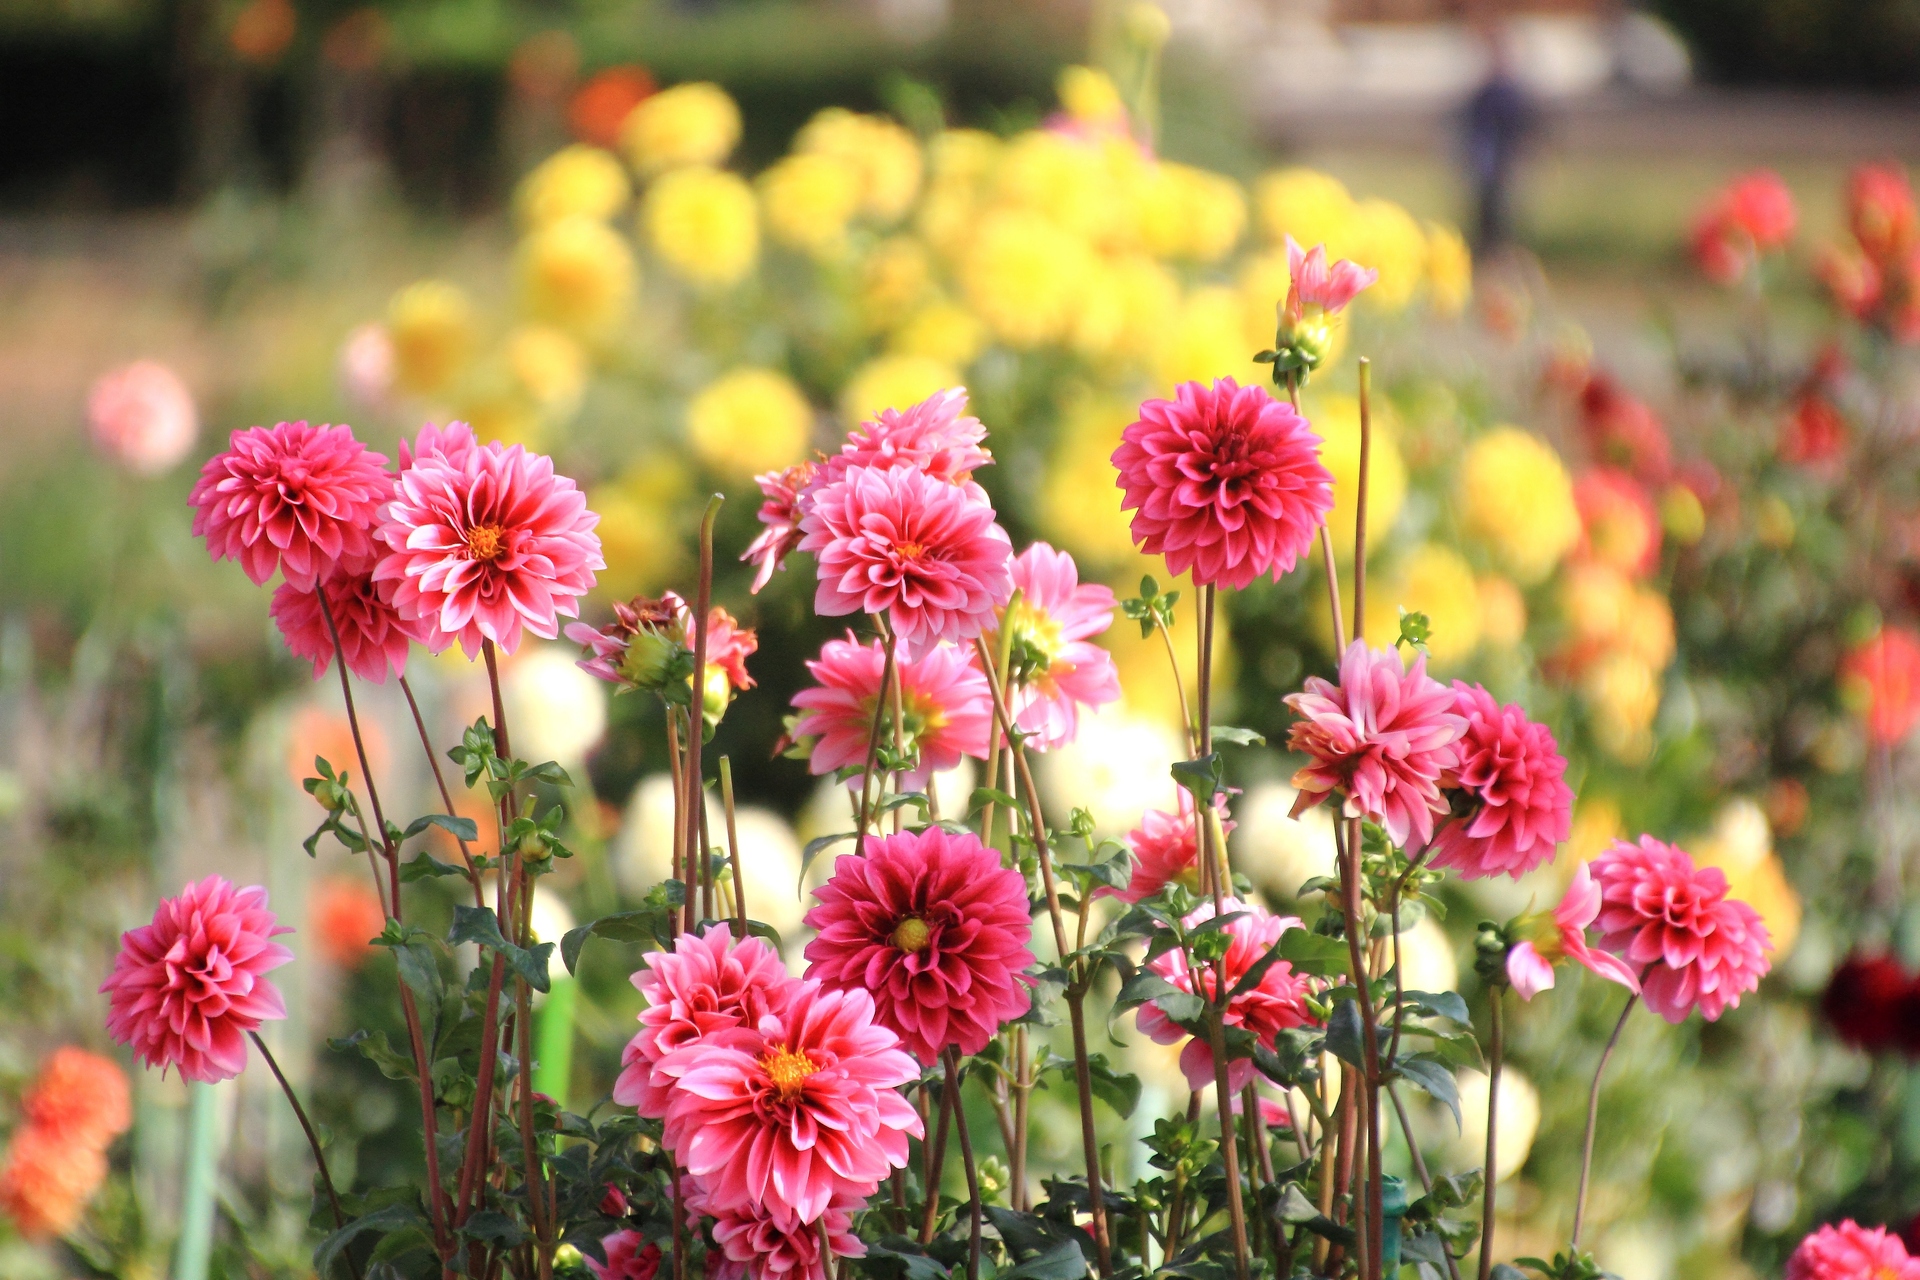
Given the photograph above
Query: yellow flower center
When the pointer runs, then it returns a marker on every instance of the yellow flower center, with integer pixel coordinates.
(485, 541)
(787, 1071)
(910, 550)
(912, 934)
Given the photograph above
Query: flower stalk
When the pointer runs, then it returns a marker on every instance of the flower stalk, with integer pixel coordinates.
(1593, 1120)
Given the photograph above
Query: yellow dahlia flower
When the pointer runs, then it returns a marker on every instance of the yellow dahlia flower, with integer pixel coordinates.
(1516, 498)
(1207, 340)
(1023, 275)
(576, 273)
(808, 200)
(638, 539)
(1503, 612)
(1124, 309)
(549, 366)
(1064, 179)
(1449, 269)
(1624, 694)
(1312, 207)
(703, 224)
(1647, 628)
(574, 181)
(1080, 510)
(893, 382)
(1382, 235)
(695, 123)
(1596, 600)
(1189, 213)
(430, 325)
(749, 420)
(940, 331)
(884, 155)
(1741, 845)
(1335, 418)
(1433, 580)
(893, 280)
(1090, 96)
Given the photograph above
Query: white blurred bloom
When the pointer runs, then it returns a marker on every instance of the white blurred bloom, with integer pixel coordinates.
(366, 366)
(1639, 1250)
(1277, 852)
(1119, 767)
(552, 918)
(555, 711)
(1427, 957)
(1519, 1120)
(643, 851)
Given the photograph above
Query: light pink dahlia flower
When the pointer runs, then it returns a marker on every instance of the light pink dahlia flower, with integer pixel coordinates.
(485, 542)
(1224, 481)
(900, 542)
(187, 988)
(780, 512)
(142, 417)
(947, 711)
(1513, 770)
(1056, 668)
(1696, 948)
(936, 436)
(935, 929)
(1850, 1251)
(800, 1108)
(1384, 736)
(706, 985)
(1276, 1003)
(1165, 847)
(630, 1256)
(1316, 283)
(452, 442)
(373, 635)
(754, 1241)
(1563, 935)
(291, 497)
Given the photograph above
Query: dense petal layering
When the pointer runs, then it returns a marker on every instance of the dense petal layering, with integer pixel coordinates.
(373, 635)
(1513, 770)
(1056, 668)
(756, 1242)
(946, 709)
(1850, 1251)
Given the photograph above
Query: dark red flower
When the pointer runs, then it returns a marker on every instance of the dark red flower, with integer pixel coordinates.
(1863, 1001)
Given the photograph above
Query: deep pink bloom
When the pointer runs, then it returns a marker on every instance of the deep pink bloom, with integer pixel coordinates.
(900, 542)
(947, 711)
(780, 512)
(373, 635)
(142, 417)
(1852, 1252)
(1276, 1003)
(1165, 847)
(292, 497)
(1696, 948)
(452, 442)
(1056, 670)
(630, 1256)
(1514, 771)
(1563, 935)
(706, 985)
(936, 436)
(1225, 481)
(187, 988)
(936, 929)
(754, 1241)
(1384, 736)
(803, 1106)
(487, 541)
(1318, 284)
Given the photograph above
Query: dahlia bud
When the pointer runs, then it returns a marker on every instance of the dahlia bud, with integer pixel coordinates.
(650, 659)
(614, 1203)
(1490, 946)
(718, 693)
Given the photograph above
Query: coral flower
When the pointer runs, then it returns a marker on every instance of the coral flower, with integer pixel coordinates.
(1316, 283)
(1754, 214)
(1384, 736)
(630, 1256)
(780, 512)
(936, 929)
(1881, 211)
(1696, 948)
(1563, 935)
(1864, 1001)
(485, 542)
(292, 497)
(47, 1181)
(1852, 1252)
(1276, 1003)
(80, 1098)
(1624, 429)
(901, 542)
(1882, 677)
(187, 988)
(1814, 436)
(373, 635)
(1056, 670)
(707, 984)
(142, 417)
(1619, 525)
(801, 1107)
(756, 1242)
(1224, 481)
(1513, 770)
(946, 709)
(345, 915)
(936, 436)
(1165, 847)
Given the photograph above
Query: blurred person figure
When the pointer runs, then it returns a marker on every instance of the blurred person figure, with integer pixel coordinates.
(1494, 129)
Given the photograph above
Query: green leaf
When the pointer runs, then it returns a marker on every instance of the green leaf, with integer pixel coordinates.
(1501, 1271)
(1203, 777)
(1435, 1078)
(1062, 1262)
(898, 1258)
(1345, 1032)
(1237, 736)
(1142, 986)
(394, 1217)
(1439, 1004)
(984, 796)
(373, 1046)
(458, 828)
(815, 848)
(1117, 1089)
(419, 970)
(425, 866)
(532, 963)
(477, 925)
(1314, 953)
(492, 1227)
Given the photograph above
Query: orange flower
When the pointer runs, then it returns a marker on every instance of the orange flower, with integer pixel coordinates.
(79, 1098)
(344, 914)
(1620, 526)
(47, 1182)
(604, 102)
(1882, 679)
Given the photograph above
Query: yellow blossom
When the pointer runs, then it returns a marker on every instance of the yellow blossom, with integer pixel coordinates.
(641, 547)
(694, 123)
(505, 418)
(1065, 179)
(1449, 269)
(430, 325)
(893, 280)
(1433, 580)
(1647, 628)
(1596, 599)
(1596, 825)
(893, 382)
(549, 366)
(1146, 25)
(961, 162)
(1208, 340)
(884, 156)
(1503, 612)
(1090, 96)
(702, 223)
(1741, 846)
(574, 181)
(576, 273)
(1081, 509)
(1336, 420)
(1382, 235)
(1682, 515)
(1516, 498)
(1124, 308)
(748, 421)
(1190, 213)
(809, 200)
(1023, 275)
(940, 331)
(1312, 207)
(1624, 693)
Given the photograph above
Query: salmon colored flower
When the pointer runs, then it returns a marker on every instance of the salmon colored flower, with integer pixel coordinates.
(1056, 669)
(1814, 435)
(1165, 847)
(1883, 678)
(1619, 525)
(1752, 215)
(373, 636)
(630, 1256)
(345, 915)
(79, 1098)
(946, 709)
(47, 1181)
(753, 1241)
(1563, 935)
(601, 105)
(780, 512)
(1850, 1251)
(1513, 771)
(142, 417)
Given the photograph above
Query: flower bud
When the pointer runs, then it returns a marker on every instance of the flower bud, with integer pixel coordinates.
(649, 660)
(614, 1203)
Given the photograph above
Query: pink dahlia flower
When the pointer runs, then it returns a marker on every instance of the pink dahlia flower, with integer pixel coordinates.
(1852, 1252)
(936, 436)
(1316, 283)
(1276, 1003)
(1165, 847)
(1513, 770)
(452, 442)
(900, 542)
(754, 1241)
(373, 635)
(800, 1108)
(292, 497)
(143, 417)
(706, 985)
(1056, 668)
(1224, 481)
(1563, 935)
(487, 541)
(1384, 735)
(630, 1256)
(1696, 948)
(660, 624)
(780, 512)
(935, 929)
(947, 711)
(187, 988)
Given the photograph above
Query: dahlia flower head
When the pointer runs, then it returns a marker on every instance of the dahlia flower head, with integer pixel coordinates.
(46, 1182)
(485, 542)
(1619, 525)
(752, 1241)
(630, 1256)
(142, 416)
(1384, 737)
(374, 637)
(1865, 1002)
(294, 498)
(706, 985)
(1165, 847)
(1057, 669)
(1850, 1251)
(1513, 770)
(935, 929)
(780, 513)
(1276, 1003)
(1752, 215)
(186, 989)
(1224, 481)
(669, 622)
(1563, 935)
(80, 1098)
(802, 1107)
(1318, 283)
(1695, 947)
(946, 707)
(936, 436)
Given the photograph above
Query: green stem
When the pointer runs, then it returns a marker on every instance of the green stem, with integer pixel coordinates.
(1593, 1119)
(194, 1249)
(1494, 1054)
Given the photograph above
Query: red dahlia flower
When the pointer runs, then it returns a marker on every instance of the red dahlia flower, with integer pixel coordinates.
(1883, 677)
(1513, 770)
(1881, 212)
(1864, 1001)
(1165, 847)
(1618, 523)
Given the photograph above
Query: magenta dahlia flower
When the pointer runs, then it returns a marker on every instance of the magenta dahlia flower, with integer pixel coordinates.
(754, 1241)
(485, 542)
(1695, 947)
(1277, 1002)
(1056, 668)
(1165, 847)
(373, 635)
(900, 542)
(1514, 772)
(187, 988)
(936, 929)
(947, 710)
(1224, 481)
(801, 1107)
(630, 1256)
(1563, 935)
(1384, 736)
(936, 436)
(780, 512)
(1850, 1251)
(1316, 283)
(706, 985)
(291, 497)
